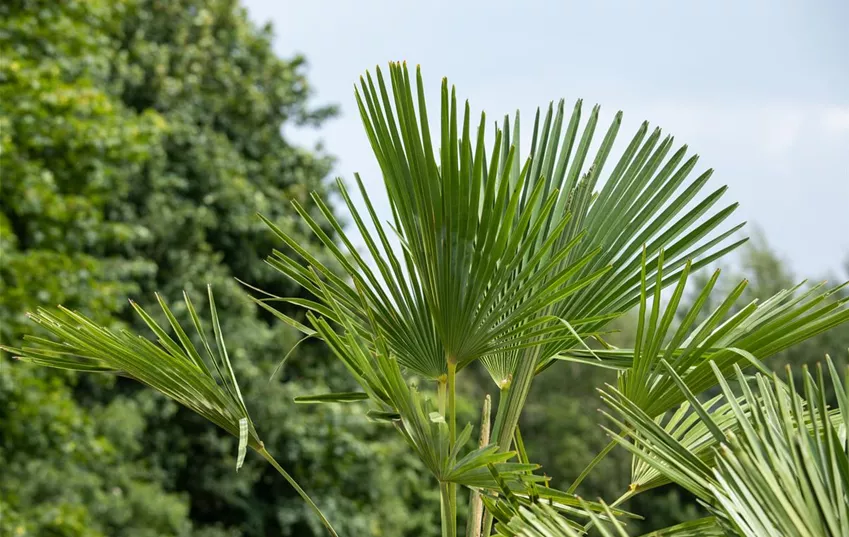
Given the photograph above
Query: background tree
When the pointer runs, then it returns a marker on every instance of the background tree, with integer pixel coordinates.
(138, 139)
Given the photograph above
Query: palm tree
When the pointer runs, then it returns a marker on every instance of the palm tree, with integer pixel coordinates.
(514, 261)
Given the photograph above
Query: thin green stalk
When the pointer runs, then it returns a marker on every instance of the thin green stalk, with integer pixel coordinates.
(445, 396)
(452, 434)
(499, 420)
(452, 401)
(513, 401)
(448, 510)
(598, 458)
(267, 456)
(441, 394)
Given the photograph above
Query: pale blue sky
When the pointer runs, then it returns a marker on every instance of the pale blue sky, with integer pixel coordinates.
(759, 89)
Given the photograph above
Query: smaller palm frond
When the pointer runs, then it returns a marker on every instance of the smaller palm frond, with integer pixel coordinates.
(543, 509)
(778, 467)
(725, 335)
(645, 200)
(176, 369)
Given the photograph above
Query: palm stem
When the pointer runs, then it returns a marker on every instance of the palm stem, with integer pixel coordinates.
(448, 509)
(452, 402)
(441, 394)
(499, 420)
(445, 398)
(267, 456)
(452, 434)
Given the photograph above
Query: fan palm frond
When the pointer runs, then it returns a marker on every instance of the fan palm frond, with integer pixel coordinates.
(482, 250)
(646, 202)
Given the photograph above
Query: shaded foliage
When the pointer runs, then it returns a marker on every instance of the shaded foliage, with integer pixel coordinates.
(137, 140)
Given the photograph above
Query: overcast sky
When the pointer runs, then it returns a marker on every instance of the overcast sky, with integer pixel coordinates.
(759, 89)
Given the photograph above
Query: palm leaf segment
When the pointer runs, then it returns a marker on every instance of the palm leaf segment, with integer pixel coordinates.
(495, 254)
(778, 461)
(175, 368)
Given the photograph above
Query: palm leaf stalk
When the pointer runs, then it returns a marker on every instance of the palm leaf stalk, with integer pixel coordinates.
(175, 368)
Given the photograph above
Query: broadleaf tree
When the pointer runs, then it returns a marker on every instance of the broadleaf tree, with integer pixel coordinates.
(137, 139)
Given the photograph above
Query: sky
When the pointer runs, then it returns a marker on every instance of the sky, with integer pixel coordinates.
(759, 89)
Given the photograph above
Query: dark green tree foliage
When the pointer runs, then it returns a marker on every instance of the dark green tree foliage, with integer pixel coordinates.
(137, 139)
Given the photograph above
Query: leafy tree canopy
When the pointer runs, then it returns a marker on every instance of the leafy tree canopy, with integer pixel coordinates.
(138, 138)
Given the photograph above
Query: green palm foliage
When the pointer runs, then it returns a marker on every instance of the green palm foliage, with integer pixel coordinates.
(723, 336)
(539, 520)
(518, 261)
(494, 250)
(766, 462)
(177, 369)
(774, 462)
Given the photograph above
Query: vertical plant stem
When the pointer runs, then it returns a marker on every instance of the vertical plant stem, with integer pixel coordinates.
(447, 493)
(448, 510)
(510, 407)
(440, 394)
(473, 526)
(452, 435)
(267, 456)
(452, 400)
(503, 395)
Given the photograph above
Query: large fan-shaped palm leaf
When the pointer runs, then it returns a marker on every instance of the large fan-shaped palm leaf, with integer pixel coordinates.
(495, 248)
